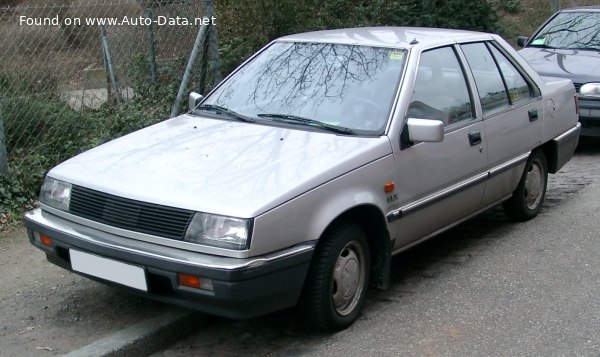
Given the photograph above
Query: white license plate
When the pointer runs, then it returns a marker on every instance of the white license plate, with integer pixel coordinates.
(108, 269)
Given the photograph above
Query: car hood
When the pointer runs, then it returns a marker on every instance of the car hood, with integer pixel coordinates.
(579, 66)
(216, 166)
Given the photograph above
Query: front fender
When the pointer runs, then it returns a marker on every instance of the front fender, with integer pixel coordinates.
(307, 216)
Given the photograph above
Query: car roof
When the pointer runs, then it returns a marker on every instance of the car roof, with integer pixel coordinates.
(582, 8)
(384, 36)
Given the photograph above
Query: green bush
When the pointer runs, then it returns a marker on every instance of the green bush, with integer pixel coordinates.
(511, 6)
(60, 133)
(31, 122)
(164, 90)
(479, 15)
(245, 26)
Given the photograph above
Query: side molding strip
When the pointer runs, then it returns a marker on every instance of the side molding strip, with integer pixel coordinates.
(509, 164)
(464, 185)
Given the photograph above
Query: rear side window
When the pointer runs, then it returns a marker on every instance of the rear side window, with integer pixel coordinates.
(517, 86)
(499, 82)
(488, 79)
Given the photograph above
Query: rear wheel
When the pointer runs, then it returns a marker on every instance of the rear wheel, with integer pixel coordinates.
(338, 278)
(528, 198)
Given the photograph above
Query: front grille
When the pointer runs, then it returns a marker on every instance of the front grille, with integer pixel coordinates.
(129, 214)
(577, 86)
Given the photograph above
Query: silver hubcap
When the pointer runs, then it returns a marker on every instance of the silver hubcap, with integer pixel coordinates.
(534, 186)
(348, 278)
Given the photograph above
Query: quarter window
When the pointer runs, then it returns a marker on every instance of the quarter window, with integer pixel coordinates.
(440, 91)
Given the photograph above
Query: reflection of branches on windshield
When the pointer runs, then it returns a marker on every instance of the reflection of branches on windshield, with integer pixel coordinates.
(328, 77)
(346, 72)
(308, 72)
(573, 30)
(276, 79)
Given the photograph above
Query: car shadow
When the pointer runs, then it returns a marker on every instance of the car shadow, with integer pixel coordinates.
(588, 146)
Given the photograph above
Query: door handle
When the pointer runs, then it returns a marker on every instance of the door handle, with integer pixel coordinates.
(533, 115)
(475, 138)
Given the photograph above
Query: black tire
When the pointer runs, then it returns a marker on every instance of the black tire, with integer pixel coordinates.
(528, 198)
(324, 306)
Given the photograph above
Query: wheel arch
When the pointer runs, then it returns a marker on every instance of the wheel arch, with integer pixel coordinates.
(550, 151)
(372, 221)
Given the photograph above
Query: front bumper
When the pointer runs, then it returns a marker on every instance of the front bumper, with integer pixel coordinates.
(242, 288)
(589, 116)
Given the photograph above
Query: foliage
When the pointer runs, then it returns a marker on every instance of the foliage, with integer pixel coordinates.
(56, 132)
(459, 14)
(24, 81)
(530, 14)
(14, 197)
(245, 26)
(42, 117)
(164, 90)
(511, 6)
(63, 138)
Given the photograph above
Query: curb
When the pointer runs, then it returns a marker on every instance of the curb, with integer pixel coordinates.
(146, 337)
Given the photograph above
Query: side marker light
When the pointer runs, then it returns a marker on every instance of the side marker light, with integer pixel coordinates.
(389, 187)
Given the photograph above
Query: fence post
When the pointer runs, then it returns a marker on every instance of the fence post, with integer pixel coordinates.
(107, 75)
(188, 70)
(203, 65)
(111, 70)
(214, 45)
(554, 5)
(3, 152)
(151, 49)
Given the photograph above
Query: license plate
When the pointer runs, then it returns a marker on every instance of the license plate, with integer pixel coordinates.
(108, 269)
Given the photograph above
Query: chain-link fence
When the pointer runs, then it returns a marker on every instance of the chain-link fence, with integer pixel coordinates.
(80, 72)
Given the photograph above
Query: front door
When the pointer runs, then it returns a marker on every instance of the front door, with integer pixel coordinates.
(439, 183)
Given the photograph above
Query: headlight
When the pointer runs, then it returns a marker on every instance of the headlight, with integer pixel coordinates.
(55, 193)
(219, 231)
(590, 90)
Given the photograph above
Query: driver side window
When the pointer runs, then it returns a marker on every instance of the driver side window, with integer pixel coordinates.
(440, 91)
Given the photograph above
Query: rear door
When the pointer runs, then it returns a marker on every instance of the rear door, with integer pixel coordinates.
(512, 115)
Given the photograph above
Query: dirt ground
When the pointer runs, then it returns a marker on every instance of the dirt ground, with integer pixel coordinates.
(51, 311)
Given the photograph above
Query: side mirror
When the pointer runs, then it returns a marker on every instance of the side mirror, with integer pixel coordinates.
(522, 40)
(194, 100)
(426, 130)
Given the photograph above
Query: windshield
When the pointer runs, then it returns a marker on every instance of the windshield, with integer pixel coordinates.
(347, 88)
(571, 30)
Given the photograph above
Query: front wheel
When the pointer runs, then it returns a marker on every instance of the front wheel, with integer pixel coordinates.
(526, 202)
(338, 278)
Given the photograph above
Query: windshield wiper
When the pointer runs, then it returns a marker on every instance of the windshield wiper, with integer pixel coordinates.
(224, 111)
(541, 45)
(310, 122)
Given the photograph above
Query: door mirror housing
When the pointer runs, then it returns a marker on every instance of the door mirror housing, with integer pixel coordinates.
(194, 100)
(522, 40)
(425, 130)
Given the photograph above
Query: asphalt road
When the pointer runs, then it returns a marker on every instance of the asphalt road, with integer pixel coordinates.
(487, 287)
